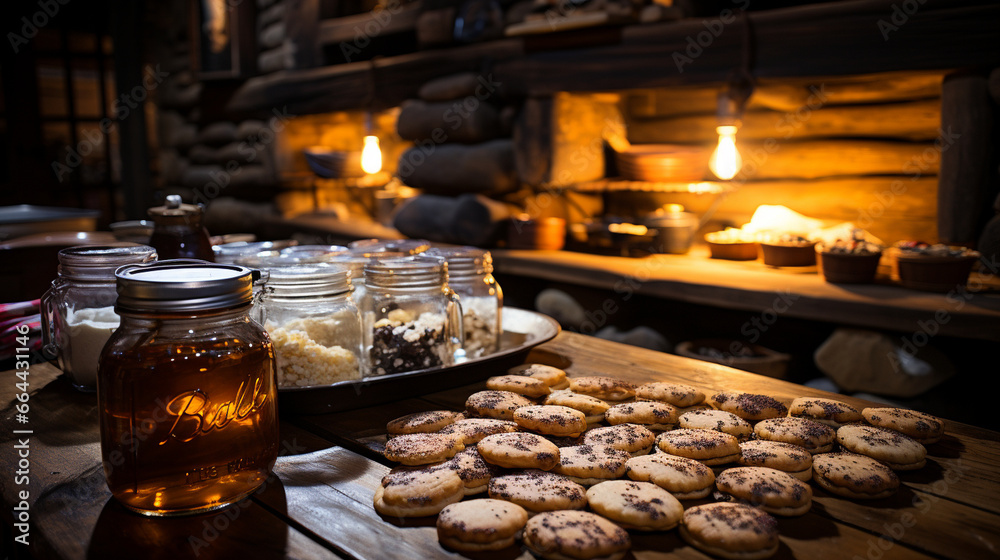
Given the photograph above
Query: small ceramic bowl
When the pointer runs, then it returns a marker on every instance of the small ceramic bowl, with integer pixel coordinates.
(849, 268)
(929, 273)
(789, 255)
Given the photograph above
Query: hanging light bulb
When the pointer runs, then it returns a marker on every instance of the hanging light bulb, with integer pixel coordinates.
(371, 155)
(726, 162)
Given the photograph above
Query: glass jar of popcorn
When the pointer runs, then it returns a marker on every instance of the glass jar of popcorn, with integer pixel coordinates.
(412, 319)
(314, 324)
(470, 275)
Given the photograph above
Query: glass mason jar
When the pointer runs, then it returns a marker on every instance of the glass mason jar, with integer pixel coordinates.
(178, 230)
(388, 247)
(470, 275)
(313, 323)
(186, 390)
(78, 309)
(412, 319)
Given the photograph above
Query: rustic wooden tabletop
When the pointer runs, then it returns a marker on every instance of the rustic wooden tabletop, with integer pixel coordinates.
(318, 503)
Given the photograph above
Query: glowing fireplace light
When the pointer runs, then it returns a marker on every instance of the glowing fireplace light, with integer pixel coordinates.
(726, 162)
(371, 156)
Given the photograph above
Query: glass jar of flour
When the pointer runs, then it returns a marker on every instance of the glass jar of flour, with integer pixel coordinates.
(78, 314)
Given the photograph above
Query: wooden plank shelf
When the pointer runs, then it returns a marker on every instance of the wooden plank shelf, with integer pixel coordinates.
(823, 41)
(752, 286)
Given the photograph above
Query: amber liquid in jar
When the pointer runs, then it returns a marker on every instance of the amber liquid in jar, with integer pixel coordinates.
(190, 414)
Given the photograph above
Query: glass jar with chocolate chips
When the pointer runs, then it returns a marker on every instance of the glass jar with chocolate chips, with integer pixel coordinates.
(412, 319)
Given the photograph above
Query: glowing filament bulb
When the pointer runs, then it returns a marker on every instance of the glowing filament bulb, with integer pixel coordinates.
(371, 155)
(726, 161)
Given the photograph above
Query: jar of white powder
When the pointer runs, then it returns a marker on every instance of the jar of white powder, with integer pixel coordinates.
(78, 309)
(470, 275)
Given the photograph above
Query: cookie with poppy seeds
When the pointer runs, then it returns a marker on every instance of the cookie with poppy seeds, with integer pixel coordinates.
(603, 387)
(495, 404)
(718, 420)
(538, 491)
(786, 457)
(813, 436)
(642, 506)
(854, 476)
(590, 464)
(551, 419)
(898, 451)
(920, 426)
(593, 408)
(748, 406)
(654, 415)
(478, 525)
(554, 377)
(473, 430)
(576, 535)
(520, 384)
(730, 530)
(685, 478)
(632, 438)
(708, 446)
(422, 422)
(423, 449)
(771, 490)
(831, 412)
(677, 394)
(418, 493)
(519, 450)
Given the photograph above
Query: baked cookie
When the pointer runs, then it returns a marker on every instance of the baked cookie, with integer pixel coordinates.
(748, 406)
(423, 449)
(418, 493)
(470, 466)
(918, 425)
(473, 430)
(708, 446)
(718, 420)
(422, 422)
(520, 384)
(631, 438)
(730, 530)
(642, 506)
(677, 394)
(590, 464)
(551, 419)
(519, 450)
(825, 411)
(854, 476)
(785, 457)
(495, 404)
(771, 490)
(477, 525)
(565, 535)
(813, 436)
(654, 415)
(554, 377)
(538, 491)
(685, 478)
(592, 407)
(602, 387)
(898, 451)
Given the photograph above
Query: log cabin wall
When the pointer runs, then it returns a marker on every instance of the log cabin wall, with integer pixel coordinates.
(864, 149)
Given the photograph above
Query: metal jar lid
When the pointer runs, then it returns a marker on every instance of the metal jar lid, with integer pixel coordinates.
(305, 281)
(407, 272)
(183, 285)
(98, 262)
(464, 261)
(388, 247)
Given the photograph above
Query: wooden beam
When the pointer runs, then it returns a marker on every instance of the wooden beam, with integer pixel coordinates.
(384, 20)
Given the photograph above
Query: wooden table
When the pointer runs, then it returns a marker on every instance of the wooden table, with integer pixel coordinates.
(319, 503)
